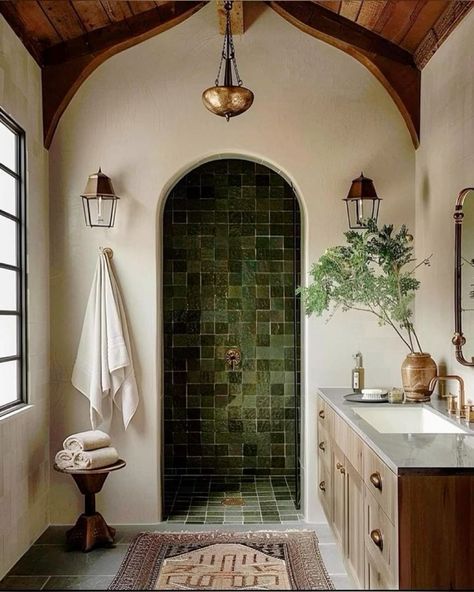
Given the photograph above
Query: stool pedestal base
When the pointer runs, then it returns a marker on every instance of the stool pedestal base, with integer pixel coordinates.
(90, 531)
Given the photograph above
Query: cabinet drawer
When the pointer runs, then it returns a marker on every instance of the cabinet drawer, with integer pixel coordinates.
(349, 442)
(374, 578)
(325, 489)
(324, 446)
(380, 537)
(381, 482)
(325, 416)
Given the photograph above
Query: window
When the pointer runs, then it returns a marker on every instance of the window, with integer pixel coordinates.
(12, 265)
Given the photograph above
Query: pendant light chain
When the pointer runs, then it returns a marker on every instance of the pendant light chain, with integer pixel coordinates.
(232, 55)
(228, 51)
(229, 97)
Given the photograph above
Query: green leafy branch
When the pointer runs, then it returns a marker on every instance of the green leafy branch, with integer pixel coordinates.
(368, 274)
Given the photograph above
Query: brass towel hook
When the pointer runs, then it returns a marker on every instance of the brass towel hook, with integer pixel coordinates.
(107, 251)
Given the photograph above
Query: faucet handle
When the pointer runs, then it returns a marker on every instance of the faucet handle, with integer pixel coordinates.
(451, 403)
(468, 414)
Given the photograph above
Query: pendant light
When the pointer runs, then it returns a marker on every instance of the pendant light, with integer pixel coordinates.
(230, 98)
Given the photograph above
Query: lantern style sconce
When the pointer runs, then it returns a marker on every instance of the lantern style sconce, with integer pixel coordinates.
(99, 201)
(362, 203)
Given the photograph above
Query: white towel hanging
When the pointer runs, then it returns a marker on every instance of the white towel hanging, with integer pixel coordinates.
(103, 370)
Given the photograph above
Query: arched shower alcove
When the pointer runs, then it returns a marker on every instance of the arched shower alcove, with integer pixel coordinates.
(231, 263)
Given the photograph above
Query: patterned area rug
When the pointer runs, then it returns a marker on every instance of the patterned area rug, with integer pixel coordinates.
(223, 561)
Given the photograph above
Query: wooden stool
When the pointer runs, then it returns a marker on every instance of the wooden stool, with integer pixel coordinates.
(90, 530)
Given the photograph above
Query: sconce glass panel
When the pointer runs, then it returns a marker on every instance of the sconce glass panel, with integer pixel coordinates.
(99, 212)
(361, 210)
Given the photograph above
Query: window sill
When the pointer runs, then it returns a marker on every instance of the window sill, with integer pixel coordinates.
(11, 413)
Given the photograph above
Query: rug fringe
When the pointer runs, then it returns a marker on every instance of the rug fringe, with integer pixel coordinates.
(231, 532)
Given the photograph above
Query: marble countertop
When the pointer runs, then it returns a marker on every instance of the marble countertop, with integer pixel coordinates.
(409, 452)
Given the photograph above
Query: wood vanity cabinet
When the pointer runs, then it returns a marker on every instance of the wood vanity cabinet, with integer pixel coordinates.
(342, 495)
(411, 531)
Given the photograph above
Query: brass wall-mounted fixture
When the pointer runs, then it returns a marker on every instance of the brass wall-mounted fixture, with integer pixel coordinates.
(99, 201)
(233, 357)
(362, 203)
(463, 217)
(230, 98)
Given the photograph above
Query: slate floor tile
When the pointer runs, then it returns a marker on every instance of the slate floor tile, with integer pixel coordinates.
(78, 583)
(263, 497)
(47, 560)
(23, 582)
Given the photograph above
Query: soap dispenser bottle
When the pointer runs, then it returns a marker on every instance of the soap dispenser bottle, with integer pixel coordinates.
(358, 374)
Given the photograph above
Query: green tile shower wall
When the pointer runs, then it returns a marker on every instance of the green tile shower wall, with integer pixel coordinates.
(231, 262)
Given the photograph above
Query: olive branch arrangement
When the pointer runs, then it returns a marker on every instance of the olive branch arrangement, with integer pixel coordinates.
(369, 274)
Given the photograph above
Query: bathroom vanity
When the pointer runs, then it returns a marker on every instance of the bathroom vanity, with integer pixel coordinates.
(398, 491)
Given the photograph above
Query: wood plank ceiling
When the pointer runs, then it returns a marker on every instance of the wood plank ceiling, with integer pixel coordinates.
(413, 25)
(394, 39)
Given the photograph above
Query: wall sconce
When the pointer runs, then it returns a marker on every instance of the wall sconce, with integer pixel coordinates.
(362, 203)
(99, 201)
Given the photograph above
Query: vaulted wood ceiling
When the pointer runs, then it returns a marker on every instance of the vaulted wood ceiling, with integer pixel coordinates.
(394, 39)
(410, 24)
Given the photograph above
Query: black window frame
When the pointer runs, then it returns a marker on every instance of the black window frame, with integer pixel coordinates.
(21, 264)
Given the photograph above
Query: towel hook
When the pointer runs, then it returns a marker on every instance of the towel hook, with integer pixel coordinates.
(107, 251)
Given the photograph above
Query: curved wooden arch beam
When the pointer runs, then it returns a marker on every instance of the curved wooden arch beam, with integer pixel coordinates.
(393, 66)
(68, 64)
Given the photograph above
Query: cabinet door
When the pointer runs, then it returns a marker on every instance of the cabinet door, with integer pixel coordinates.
(355, 523)
(338, 482)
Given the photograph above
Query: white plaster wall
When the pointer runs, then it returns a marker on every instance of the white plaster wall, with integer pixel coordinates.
(24, 436)
(318, 115)
(444, 166)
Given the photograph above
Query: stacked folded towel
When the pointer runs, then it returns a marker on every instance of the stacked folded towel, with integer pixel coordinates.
(87, 450)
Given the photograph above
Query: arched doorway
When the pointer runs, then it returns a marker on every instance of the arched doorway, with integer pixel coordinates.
(231, 244)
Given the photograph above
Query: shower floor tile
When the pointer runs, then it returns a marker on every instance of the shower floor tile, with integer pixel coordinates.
(198, 500)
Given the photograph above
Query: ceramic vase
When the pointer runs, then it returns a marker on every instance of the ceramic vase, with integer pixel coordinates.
(417, 371)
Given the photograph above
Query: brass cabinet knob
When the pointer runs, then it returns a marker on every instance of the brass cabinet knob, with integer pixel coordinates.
(321, 414)
(376, 480)
(322, 446)
(340, 468)
(377, 538)
(322, 486)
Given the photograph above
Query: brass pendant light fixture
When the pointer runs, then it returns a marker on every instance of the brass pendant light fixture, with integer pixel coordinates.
(228, 99)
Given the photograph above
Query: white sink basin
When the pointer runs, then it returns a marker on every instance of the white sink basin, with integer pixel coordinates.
(407, 420)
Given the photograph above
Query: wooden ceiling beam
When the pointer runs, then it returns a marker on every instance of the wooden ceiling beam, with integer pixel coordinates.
(116, 33)
(236, 17)
(68, 64)
(393, 66)
(313, 17)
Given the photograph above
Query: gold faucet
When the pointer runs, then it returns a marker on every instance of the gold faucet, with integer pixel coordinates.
(459, 408)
